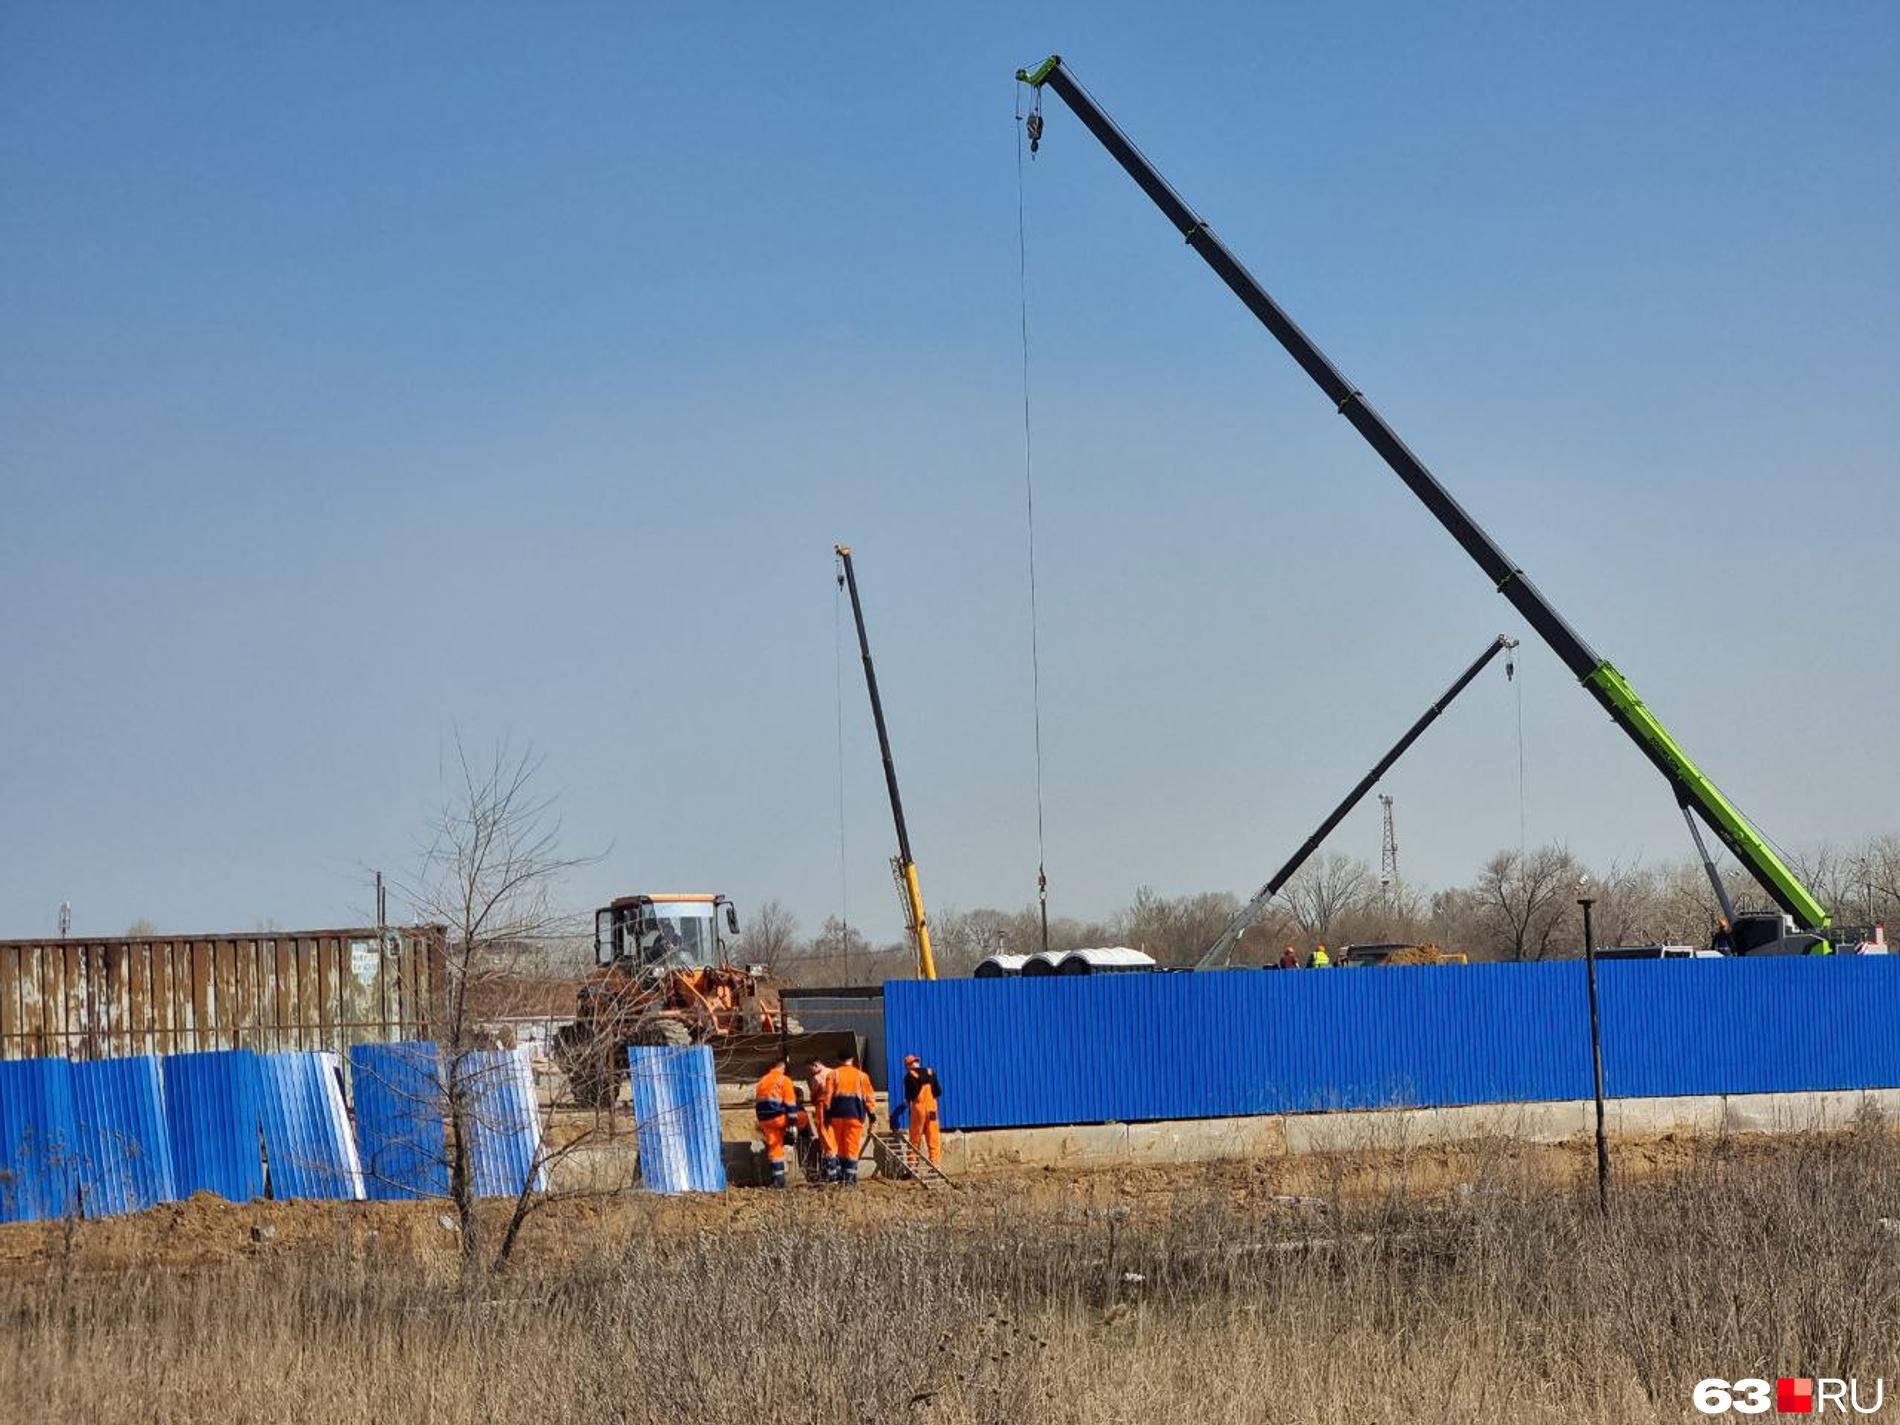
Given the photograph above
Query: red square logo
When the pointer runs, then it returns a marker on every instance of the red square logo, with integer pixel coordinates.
(1794, 1395)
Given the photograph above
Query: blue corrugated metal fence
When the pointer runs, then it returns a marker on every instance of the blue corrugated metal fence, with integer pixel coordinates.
(115, 1135)
(39, 1141)
(676, 1113)
(399, 1130)
(307, 1140)
(504, 1122)
(212, 1117)
(125, 1153)
(1125, 1048)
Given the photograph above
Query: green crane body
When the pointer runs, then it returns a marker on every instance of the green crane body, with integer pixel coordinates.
(1598, 676)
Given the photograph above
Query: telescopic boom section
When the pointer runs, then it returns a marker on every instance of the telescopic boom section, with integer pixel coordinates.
(906, 863)
(1604, 683)
(1218, 952)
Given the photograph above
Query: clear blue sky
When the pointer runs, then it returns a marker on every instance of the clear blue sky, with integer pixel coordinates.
(371, 372)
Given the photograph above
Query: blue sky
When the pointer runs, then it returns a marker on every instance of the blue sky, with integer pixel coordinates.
(377, 372)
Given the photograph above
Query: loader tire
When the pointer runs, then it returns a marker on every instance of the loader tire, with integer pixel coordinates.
(662, 1033)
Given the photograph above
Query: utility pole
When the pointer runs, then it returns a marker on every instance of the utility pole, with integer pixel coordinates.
(1596, 1051)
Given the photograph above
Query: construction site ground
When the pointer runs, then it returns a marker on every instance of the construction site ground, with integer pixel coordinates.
(207, 1231)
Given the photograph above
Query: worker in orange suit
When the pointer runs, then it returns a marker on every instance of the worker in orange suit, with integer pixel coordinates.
(922, 1090)
(820, 1077)
(803, 1140)
(851, 1112)
(775, 1102)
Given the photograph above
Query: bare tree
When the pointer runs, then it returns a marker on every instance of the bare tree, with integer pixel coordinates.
(1176, 930)
(1628, 907)
(486, 872)
(1833, 874)
(840, 955)
(1879, 873)
(771, 935)
(1521, 900)
(962, 939)
(1324, 890)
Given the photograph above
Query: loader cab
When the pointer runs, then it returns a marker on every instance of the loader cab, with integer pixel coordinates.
(665, 932)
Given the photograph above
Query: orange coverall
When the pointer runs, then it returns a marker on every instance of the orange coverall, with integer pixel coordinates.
(820, 1102)
(775, 1102)
(850, 1112)
(925, 1134)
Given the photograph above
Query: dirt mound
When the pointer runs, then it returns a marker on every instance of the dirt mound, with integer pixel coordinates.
(207, 1230)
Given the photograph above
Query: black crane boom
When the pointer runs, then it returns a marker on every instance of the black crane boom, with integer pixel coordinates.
(1599, 677)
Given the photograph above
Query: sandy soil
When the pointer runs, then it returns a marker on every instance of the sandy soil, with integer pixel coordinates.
(206, 1230)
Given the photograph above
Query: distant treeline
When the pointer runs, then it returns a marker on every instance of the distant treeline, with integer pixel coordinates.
(1520, 906)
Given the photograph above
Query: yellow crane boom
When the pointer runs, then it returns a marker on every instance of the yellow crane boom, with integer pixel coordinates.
(903, 864)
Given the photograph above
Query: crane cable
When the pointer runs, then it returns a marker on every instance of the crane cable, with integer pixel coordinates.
(844, 883)
(1510, 674)
(1031, 121)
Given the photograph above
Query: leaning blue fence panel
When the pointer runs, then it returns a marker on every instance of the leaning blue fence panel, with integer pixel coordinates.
(676, 1113)
(504, 1122)
(307, 1141)
(38, 1140)
(211, 1117)
(401, 1140)
(1127, 1048)
(125, 1152)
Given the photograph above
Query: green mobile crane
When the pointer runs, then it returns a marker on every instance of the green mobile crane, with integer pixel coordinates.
(1693, 790)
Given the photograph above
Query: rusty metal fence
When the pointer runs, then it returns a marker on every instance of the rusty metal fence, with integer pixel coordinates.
(311, 989)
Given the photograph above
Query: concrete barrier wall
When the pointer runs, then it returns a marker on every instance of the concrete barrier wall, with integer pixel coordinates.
(1105, 1145)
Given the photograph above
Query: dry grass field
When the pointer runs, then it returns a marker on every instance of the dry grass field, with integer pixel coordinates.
(1486, 1288)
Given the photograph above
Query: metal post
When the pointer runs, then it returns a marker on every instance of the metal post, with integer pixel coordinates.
(1596, 1056)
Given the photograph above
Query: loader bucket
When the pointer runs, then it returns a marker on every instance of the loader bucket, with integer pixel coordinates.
(744, 1058)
